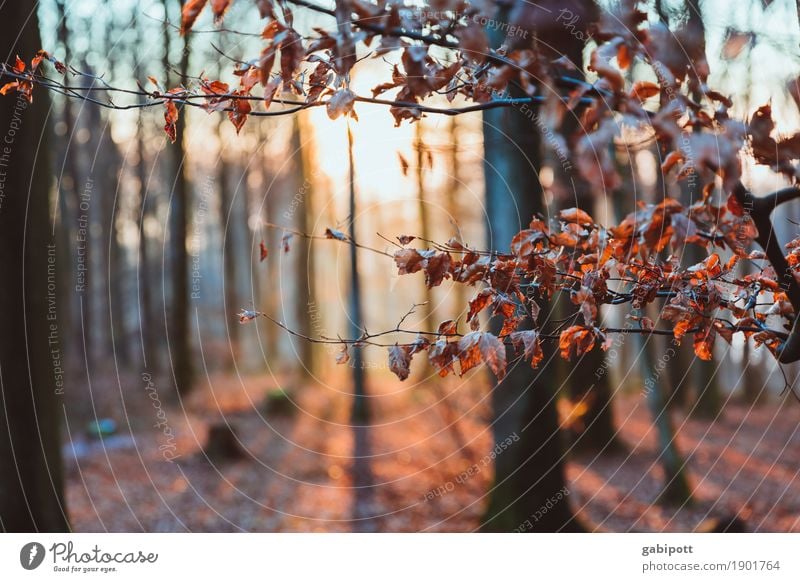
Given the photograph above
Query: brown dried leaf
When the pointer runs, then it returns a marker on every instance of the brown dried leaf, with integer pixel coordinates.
(482, 346)
(576, 341)
(448, 327)
(340, 103)
(191, 10)
(400, 360)
(342, 356)
(528, 341)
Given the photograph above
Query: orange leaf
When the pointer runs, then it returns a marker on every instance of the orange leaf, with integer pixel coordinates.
(342, 357)
(577, 216)
(36, 61)
(219, 7)
(239, 112)
(400, 360)
(408, 261)
(671, 160)
(191, 10)
(623, 56)
(437, 268)
(704, 344)
(681, 328)
(735, 206)
(335, 234)
(8, 87)
(171, 118)
(527, 241)
(448, 327)
(576, 341)
(442, 355)
(642, 90)
(482, 346)
(341, 103)
(528, 341)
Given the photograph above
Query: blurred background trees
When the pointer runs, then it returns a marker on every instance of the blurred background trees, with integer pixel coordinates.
(160, 245)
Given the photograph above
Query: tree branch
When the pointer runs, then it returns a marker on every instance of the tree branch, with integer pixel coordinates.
(760, 210)
(156, 98)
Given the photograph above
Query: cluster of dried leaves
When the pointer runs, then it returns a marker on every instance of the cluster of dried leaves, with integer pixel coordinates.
(23, 83)
(444, 50)
(595, 265)
(599, 266)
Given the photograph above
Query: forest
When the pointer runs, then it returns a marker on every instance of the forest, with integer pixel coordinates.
(400, 266)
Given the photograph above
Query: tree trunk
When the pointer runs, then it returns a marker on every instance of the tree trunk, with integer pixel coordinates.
(360, 417)
(599, 432)
(77, 252)
(148, 337)
(530, 473)
(303, 267)
(457, 294)
(179, 329)
(229, 250)
(531, 470)
(419, 146)
(676, 490)
(31, 497)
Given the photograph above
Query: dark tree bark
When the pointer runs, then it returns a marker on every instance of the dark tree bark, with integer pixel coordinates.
(531, 470)
(703, 374)
(599, 432)
(229, 249)
(78, 315)
(529, 473)
(360, 416)
(114, 268)
(676, 489)
(178, 325)
(148, 336)
(31, 496)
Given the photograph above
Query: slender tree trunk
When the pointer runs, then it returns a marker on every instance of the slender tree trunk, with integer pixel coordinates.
(303, 271)
(179, 327)
(147, 315)
(229, 250)
(531, 470)
(31, 497)
(704, 374)
(662, 384)
(78, 251)
(360, 416)
(676, 489)
(422, 195)
(454, 208)
(114, 267)
(271, 237)
(148, 337)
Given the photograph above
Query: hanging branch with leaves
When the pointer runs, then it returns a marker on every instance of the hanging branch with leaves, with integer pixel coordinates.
(443, 53)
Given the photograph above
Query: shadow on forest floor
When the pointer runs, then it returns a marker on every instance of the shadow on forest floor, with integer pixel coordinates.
(295, 473)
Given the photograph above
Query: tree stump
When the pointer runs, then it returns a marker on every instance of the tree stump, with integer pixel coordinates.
(222, 443)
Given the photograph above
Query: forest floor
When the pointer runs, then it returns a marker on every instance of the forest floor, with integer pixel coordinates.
(431, 474)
